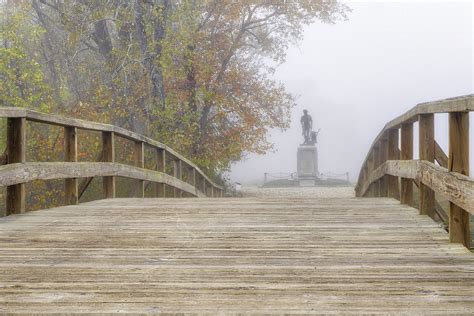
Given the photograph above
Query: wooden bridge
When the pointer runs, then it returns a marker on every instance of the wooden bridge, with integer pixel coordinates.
(282, 252)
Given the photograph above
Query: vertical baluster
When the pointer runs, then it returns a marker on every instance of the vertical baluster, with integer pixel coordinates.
(16, 153)
(108, 149)
(383, 159)
(459, 230)
(160, 188)
(70, 155)
(427, 152)
(407, 154)
(139, 157)
(393, 154)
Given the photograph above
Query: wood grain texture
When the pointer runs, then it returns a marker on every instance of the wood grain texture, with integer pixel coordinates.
(16, 153)
(459, 230)
(406, 153)
(427, 153)
(456, 104)
(70, 155)
(31, 171)
(51, 119)
(108, 155)
(299, 255)
(160, 167)
(455, 187)
(393, 188)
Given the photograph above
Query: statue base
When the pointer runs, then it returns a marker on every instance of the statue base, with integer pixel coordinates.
(307, 168)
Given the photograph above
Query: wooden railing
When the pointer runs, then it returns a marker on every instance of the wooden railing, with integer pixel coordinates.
(386, 163)
(15, 171)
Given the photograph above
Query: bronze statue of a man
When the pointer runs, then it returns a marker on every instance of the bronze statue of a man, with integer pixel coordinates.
(307, 125)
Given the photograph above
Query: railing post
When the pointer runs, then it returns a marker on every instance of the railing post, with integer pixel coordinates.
(459, 231)
(160, 188)
(180, 177)
(193, 178)
(427, 152)
(139, 153)
(204, 189)
(406, 154)
(393, 154)
(176, 174)
(108, 149)
(370, 169)
(70, 155)
(16, 153)
(376, 184)
(383, 159)
(212, 191)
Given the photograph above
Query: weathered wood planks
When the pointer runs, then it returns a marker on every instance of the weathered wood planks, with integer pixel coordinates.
(276, 254)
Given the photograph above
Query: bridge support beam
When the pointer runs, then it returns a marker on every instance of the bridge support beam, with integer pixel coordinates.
(459, 230)
(16, 153)
(70, 155)
(160, 188)
(427, 152)
(393, 154)
(406, 196)
(108, 150)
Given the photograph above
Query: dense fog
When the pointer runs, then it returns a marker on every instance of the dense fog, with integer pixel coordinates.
(357, 75)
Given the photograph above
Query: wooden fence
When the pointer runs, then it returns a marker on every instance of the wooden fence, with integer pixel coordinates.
(186, 178)
(390, 171)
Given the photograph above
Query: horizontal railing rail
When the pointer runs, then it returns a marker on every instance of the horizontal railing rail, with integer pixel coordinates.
(15, 171)
(390, 171)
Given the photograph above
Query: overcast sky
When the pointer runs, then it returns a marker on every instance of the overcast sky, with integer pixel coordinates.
(357, 75)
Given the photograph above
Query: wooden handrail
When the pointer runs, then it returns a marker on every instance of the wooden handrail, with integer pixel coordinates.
(17, 171)
(458, 188)
(385, 163)
(52, 119)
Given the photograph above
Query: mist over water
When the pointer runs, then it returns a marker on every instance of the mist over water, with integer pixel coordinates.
(357, 75)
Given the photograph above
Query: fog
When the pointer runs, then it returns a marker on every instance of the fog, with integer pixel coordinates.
(357, 75)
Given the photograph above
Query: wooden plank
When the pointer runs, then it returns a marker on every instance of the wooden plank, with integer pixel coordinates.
(139, 159)
(70, 155)
(370, 169)
(393, 154)
(108, 155)
(440, 156)
(457, 104)
(377, 163)
(459, 231)
(176, 174)
(383, 158)
(92, 126)
(87, 181)
(16, 147)
(31, 171)
(406, 154)
(161, 167)
(454, 186)
(427, 153)
(283, 253)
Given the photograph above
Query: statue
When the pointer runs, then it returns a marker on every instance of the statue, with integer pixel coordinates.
(307, 125)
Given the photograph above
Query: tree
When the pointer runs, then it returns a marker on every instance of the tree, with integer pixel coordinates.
(195, 74)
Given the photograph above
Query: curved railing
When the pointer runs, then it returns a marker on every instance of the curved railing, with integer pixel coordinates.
(15, 171)
(386, 162)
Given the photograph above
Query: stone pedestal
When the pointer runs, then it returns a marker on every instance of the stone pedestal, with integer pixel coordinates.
(307, 162)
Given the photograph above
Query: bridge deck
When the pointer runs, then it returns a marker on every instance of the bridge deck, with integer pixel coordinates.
(226, 255)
